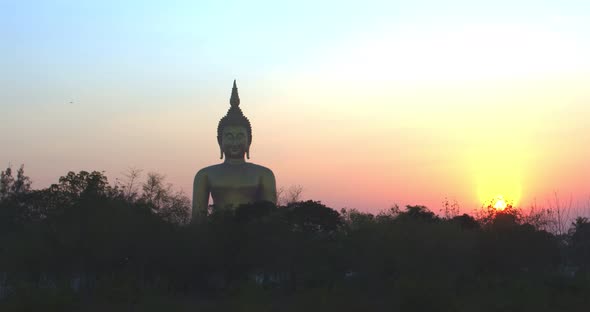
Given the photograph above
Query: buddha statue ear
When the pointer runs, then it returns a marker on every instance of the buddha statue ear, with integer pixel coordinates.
(221, 153)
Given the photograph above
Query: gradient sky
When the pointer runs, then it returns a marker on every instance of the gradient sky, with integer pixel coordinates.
(364, 104)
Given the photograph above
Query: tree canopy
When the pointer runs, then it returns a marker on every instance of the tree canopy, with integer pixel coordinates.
(86, 241)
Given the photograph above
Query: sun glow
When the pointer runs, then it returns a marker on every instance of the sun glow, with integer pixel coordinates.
(499, 166)
(499, 203)
(505, 182)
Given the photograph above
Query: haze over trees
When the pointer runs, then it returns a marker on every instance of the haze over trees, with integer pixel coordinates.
(85, 244)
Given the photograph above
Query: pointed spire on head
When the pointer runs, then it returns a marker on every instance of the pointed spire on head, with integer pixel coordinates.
(234, 116)
(235, 98)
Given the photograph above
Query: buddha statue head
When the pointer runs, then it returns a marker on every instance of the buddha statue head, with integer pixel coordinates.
(234, 132)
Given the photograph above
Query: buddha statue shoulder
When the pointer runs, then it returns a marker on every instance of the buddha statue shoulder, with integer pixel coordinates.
(234, 181)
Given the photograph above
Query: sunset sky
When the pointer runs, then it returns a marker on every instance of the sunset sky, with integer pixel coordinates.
(362, 103)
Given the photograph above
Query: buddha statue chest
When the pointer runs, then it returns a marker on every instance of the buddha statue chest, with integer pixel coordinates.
(232, 185)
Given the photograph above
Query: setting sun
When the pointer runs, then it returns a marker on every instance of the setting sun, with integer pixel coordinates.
(500, 203)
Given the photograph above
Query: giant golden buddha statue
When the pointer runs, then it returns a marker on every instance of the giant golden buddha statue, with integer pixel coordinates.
(234, 181)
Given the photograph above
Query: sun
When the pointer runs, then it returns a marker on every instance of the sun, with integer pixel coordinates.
(499, 187)
(500, 203)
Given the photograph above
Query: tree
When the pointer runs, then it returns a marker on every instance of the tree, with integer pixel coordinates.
(540, 218)
(313, 216)
(155, 192)
(82, 183)
(466, 222)
(130, 186)
(14, 205)
(355, 219)
(22, 184)
(450, 209)
(580, 242)
(290, 195)
(560, 214)
(419, 212)
(254, 211)
(6, 183)
(487, 214)
(171, 206)
(176, 208)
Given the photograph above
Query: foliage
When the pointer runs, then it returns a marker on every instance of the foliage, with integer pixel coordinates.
(85, 244)
(580, 242)
(9, 186)
(289, 195)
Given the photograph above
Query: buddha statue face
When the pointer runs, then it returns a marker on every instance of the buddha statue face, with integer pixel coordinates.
(234, 142)
(234, 132)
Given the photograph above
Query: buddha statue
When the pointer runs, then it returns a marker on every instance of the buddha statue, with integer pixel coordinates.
(234, 181)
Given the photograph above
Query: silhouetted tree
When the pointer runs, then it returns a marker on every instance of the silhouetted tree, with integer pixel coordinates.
(176, 208)
(155, 191)
(158, 195)
(255, 211)
(502, 246)
(312, 216)
(130, 185)
(580, 242)
(118, 249)
(466, 222)
(419, 213)
(450, 209)
(289, 195)
(82, 183)
(15, 208)
(6, 183)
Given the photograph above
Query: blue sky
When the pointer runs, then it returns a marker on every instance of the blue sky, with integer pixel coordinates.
(209, 38)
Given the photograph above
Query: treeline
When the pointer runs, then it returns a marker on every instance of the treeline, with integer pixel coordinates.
(84, 244)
